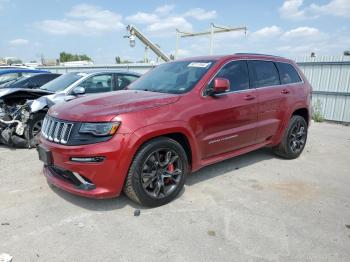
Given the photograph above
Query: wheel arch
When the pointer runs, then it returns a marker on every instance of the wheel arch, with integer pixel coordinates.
(178, 133)
(303, 112)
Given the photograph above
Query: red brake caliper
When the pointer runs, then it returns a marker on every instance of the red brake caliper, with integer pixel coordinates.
(170, 168)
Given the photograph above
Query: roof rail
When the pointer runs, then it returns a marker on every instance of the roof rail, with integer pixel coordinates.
(257, 54)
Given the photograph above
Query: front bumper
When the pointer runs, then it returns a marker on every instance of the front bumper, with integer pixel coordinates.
(93, 179)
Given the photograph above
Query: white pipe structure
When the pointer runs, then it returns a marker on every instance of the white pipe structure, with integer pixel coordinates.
(214, 29)
(134, 32)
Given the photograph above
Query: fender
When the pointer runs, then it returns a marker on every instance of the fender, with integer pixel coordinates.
(38, 104)
(285, 122)
(149, 132)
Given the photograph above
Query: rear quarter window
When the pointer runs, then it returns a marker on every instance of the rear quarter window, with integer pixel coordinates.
(288, 74)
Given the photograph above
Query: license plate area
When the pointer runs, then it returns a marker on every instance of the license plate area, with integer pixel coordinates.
(44, 155)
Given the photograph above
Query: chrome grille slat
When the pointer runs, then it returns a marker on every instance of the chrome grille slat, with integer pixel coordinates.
(56, 130)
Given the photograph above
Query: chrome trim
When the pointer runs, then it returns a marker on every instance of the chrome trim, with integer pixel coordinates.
(56, 130)
(86, 185)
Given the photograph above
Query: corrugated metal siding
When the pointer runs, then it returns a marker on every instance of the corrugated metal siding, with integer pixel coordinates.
(328, 75)
(330, 79)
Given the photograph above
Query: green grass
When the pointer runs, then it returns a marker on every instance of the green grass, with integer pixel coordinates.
(317, 115)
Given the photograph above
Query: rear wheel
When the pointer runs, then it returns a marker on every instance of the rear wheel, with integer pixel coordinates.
(294, 139)
(157, 173)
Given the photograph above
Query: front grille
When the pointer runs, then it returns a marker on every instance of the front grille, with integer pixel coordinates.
(56, 130)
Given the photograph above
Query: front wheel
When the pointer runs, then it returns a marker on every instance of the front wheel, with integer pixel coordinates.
(294, 139)
(34, 125)
(157, 173)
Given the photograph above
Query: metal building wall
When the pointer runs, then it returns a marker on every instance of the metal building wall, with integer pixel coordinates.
(328, 75)
(330, 79)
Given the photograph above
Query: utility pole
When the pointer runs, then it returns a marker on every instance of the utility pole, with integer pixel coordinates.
(214, 29)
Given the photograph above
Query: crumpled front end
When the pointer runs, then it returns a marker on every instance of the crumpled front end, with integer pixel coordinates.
(13, 125)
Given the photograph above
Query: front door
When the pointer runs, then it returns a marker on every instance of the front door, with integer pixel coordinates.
(228, 121)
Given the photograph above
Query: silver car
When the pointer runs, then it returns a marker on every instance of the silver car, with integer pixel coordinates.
(22, 111)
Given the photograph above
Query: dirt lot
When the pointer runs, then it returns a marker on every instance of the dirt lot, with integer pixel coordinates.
(254, 207)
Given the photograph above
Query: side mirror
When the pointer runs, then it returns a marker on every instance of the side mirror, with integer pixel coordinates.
(79, 90)
(221, 85)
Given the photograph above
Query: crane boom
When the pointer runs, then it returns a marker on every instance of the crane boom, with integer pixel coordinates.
(134, 32)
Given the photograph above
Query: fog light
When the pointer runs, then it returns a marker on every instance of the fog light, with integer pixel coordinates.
(95, 159)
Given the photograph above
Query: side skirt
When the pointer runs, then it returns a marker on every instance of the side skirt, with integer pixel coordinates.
(219, 158)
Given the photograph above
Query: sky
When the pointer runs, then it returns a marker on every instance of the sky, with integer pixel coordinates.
(291, 28)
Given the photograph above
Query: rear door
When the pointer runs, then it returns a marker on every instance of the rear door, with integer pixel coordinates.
(228, 121)
(272, 97)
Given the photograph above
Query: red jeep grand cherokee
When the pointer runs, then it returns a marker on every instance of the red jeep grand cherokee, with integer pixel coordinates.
(176, 119)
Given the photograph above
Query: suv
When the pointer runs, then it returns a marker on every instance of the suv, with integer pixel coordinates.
(176, 119)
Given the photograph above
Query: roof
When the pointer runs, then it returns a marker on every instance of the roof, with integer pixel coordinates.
(21, 70)
(97, 71)
(236, 55)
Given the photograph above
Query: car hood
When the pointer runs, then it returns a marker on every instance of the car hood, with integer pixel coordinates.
(5, 92)
(105, 106)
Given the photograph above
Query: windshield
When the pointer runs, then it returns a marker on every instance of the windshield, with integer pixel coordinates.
(62, 82)
(8, 77)
(173, 77)
(15, 81)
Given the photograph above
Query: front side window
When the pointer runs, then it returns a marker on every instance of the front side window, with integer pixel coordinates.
(237, 73)
(98, 84)
(288, 74)
(173, 77)
(123, 81)
(264, 73)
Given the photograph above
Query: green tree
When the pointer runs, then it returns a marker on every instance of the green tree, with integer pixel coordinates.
(67, 57)
(119, 60)
(14, 61)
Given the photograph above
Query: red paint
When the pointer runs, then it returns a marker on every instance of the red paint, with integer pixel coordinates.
(216, 128)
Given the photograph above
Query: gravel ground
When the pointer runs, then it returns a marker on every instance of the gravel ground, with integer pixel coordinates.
(255, 207)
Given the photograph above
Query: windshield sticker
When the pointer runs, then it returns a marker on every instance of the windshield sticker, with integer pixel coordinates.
(197, 64)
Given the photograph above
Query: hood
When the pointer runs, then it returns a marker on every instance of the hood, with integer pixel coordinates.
(105, 106)
(23, 92)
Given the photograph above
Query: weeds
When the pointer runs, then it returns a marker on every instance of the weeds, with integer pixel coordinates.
(317, 115)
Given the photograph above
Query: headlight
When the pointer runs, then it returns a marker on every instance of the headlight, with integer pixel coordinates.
(100, 129)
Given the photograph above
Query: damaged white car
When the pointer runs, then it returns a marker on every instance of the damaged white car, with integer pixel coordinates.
(22, 110)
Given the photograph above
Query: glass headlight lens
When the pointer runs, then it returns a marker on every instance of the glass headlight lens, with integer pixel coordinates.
(100, 129)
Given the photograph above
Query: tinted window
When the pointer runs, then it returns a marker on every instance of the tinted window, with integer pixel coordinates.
(98, 84)
(237, 73)
(173, 77)
(62, 82)
(264, 73)
(122, 81)
(45, 78)
(288, 74)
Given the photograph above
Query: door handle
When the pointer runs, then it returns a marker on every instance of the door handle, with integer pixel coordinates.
(249, 97)
(285, 91)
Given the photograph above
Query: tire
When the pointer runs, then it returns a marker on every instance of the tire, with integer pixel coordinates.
(294, 139)
(34, 125)
(159, 164)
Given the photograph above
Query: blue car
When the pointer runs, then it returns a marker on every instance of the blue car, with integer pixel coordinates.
(7, 75)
